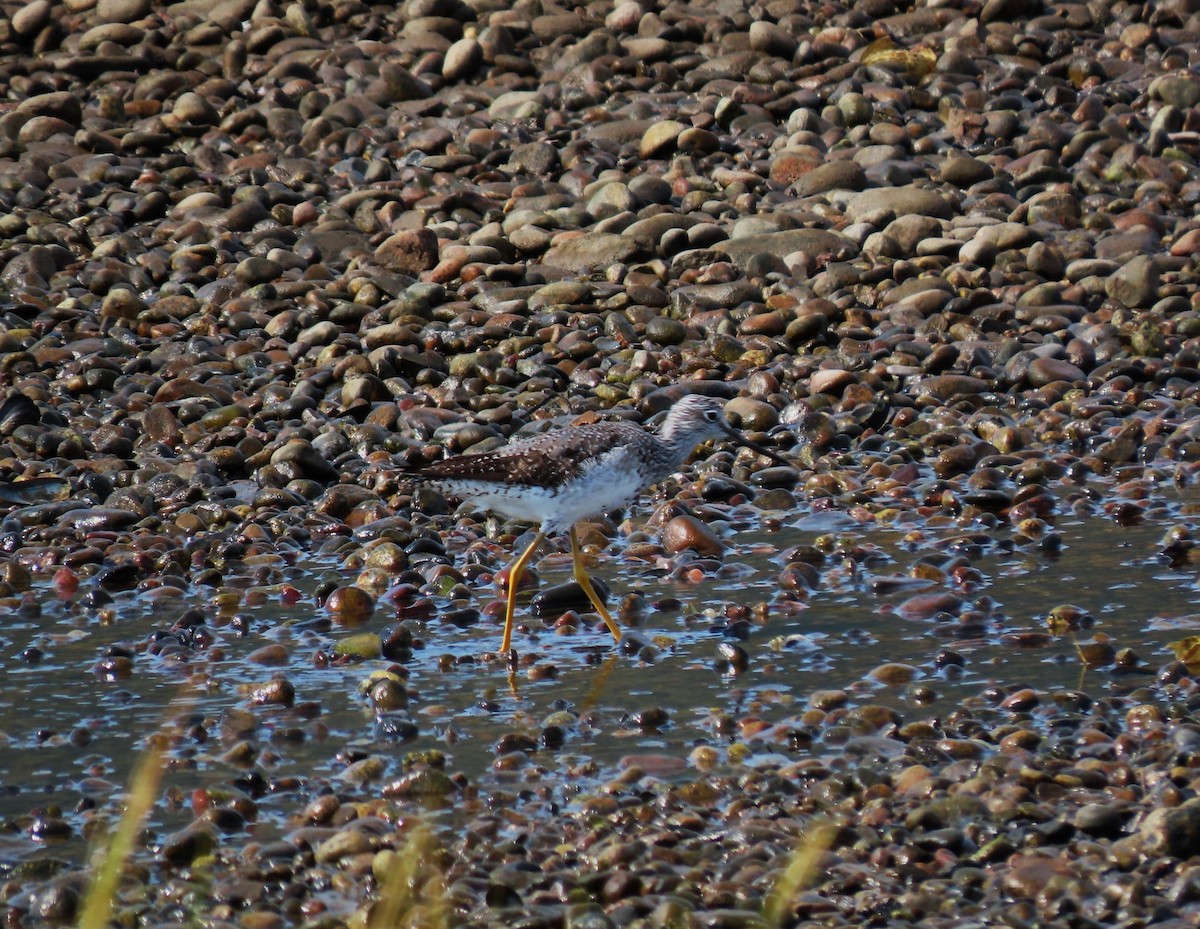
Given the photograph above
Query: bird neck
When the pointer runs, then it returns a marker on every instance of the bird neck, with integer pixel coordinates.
(677, 442)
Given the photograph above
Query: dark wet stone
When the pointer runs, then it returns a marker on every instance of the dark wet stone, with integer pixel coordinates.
(98, 519)
(423, 782)
(180, 849)
(515, 742)
(650, 719)
(666, 331)
(57, 901)
(119, 577)
(1046, 261)
(191, 109)
(253, 271)
(310, 460)
(555, 600)
(1101, 820)
(1044, 371)
(660, 137)
(950, 386)
(243, 216)
(18, 410)
(1174, 832)
(350, 605)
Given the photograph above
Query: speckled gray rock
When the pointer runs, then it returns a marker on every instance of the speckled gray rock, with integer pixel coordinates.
(592, 252)
(1135, 285)
(784, 243)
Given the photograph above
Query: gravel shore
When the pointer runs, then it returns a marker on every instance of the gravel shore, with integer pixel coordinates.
(257, 258)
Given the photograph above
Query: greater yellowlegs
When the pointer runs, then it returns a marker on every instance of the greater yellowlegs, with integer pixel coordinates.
(561, 477)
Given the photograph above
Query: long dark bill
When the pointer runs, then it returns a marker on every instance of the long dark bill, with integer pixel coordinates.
(737, 436)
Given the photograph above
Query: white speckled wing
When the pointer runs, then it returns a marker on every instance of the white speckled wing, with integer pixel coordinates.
(606, 482)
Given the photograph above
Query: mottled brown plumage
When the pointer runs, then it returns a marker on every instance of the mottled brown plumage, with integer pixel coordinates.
(548, 460)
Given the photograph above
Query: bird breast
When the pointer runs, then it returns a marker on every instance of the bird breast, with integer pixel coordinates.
(609, 483)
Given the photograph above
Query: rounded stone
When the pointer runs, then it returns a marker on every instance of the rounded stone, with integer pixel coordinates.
(1043, 371)
(462, 59)
(1135, 285)
(192, 109)
(122, 11)
(29, 18)
(965, 171)
(686, 533)
(410, 251)
(855, 108)
(251, 271)
(660, 137)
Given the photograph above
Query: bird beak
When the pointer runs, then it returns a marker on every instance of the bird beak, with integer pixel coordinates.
(737, 436)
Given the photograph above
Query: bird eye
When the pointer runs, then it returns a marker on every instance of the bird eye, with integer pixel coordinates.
(712, 415)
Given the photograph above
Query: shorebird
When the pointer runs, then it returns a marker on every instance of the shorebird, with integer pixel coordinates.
(558, 478)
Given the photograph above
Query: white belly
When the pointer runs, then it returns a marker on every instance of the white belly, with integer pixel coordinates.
(602, 487)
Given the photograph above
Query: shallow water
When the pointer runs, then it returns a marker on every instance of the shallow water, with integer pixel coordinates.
(71, 736)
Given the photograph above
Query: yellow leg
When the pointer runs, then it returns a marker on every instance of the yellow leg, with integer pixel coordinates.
(582, 579)
(514, 582)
